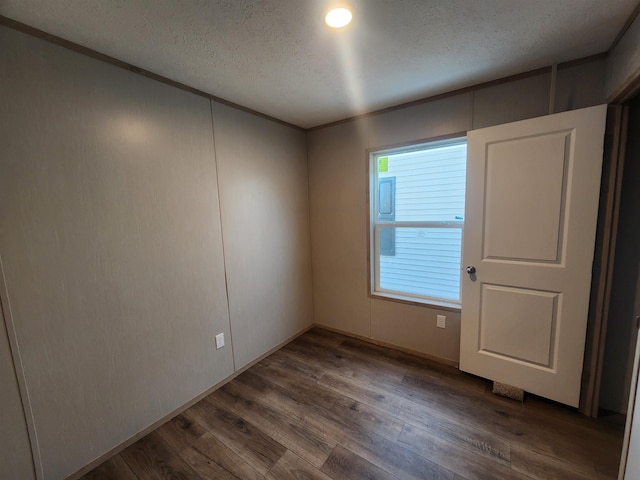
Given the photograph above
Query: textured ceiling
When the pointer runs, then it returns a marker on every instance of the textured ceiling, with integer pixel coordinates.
(277, 57)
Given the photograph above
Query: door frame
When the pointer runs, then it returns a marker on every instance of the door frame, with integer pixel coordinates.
(611, 189)
(622, 99)
(604, 257)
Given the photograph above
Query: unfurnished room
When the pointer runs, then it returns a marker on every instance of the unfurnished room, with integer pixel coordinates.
(318, 239)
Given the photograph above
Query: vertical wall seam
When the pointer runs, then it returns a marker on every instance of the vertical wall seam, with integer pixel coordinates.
(18, 368)
(224, 256)
(552, 89)
(313, 291)
(473, 109)
(368, 145)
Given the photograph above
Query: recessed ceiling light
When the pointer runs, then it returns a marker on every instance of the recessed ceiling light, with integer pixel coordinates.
(338, 17)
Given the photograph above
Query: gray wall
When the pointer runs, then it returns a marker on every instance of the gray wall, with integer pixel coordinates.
(112, 244)
(623, 63)
(339, 209)
(265, 221)
(15, 450)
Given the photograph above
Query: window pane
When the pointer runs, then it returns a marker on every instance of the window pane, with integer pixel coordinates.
(429, 184)
(426, 262)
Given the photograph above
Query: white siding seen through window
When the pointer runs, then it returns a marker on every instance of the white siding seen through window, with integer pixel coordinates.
(417, 216)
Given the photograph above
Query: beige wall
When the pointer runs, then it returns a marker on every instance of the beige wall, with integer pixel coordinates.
(265, 223)
(15, 450)
(112, 244)
(339, 209)
(338, 227)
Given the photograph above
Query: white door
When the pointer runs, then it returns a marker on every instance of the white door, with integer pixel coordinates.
(530, 223)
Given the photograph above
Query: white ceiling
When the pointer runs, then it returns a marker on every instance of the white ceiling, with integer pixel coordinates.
(278, 58)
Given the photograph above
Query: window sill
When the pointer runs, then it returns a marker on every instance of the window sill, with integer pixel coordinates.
(409, 300)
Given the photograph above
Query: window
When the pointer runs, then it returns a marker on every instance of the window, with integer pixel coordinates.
(417, 217)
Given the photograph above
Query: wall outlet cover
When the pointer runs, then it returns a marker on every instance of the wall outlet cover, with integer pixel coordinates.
(441, 321)
(219, 340)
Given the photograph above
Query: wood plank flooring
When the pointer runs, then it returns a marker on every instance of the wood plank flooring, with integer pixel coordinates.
(328, 406)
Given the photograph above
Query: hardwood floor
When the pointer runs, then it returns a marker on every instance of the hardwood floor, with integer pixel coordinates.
(328, 406)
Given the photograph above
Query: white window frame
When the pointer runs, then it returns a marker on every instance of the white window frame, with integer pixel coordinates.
(375, 226)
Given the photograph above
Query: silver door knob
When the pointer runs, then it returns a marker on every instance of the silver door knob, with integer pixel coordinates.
(471, 270)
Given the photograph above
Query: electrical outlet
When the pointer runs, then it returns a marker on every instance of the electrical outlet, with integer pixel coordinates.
(441, 321)
(219, 340)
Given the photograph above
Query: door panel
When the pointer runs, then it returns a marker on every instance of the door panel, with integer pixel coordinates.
(501, 324)
(532, 198)
(530, 173)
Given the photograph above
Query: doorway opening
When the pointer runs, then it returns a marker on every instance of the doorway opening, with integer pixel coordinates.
(622, 332)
